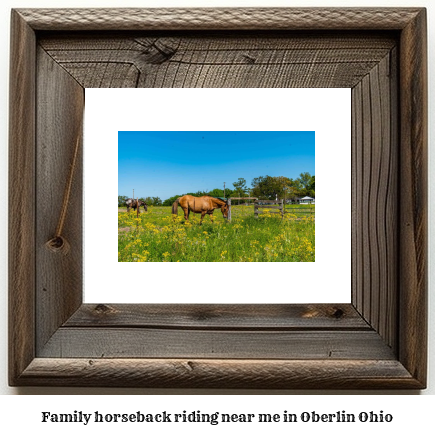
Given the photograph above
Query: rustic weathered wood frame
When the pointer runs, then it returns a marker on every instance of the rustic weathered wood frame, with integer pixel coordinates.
(377, 341)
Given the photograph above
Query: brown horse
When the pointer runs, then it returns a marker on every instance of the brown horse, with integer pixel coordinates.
(133, 203)
(204, 205)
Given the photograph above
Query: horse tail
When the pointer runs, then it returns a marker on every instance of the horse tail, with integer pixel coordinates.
(175, 206)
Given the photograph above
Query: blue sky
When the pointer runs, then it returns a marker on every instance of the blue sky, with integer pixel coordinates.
(166, 163)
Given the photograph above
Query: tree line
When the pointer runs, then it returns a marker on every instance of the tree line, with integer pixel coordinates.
(264, 187)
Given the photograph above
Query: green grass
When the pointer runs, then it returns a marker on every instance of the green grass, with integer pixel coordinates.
(157, 236)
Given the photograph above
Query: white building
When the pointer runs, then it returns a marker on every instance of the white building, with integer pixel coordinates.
(306, 200)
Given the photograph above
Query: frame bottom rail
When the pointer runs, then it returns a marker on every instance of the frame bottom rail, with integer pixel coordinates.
(204, 373)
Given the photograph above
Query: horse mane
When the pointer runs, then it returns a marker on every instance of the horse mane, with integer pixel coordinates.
(218, 198)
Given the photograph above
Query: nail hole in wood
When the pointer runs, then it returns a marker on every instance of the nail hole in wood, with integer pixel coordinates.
(338, 314)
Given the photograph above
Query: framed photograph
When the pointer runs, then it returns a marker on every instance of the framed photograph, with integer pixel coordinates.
(237, 141)
(176, 64)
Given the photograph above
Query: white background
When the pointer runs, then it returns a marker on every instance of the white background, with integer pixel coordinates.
(414, 413)
(325, 111)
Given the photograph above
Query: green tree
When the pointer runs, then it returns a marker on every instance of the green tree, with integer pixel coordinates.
(199, 193)
(153, 201)
(240, 187)
(157, 201)
(313, 186)
(259, 187)
(269, 187)
(305, 184)
(171, 200)
(216, 192)
(219, 192)
(305, 179)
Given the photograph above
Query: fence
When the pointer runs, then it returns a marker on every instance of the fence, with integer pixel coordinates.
(279, 205)
(302, 209)
(274, 204)
(236, 198)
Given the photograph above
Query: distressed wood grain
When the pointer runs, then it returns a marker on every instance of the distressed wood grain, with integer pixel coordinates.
(227, 374)
(413, 184)
(220, 317)
(233, 61)
(130, 342)
(220, 18)
(60, 105)
(21, 260)
(375, 197)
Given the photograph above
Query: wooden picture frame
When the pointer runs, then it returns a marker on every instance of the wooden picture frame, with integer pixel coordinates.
(376, 342)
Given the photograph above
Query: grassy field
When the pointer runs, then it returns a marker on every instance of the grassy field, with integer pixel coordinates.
(157, 236)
